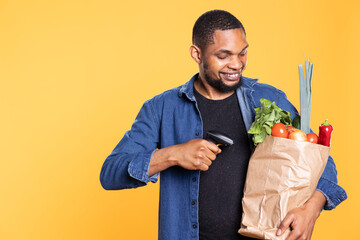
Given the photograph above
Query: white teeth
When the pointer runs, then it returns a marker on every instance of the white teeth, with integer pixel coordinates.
(232, 75)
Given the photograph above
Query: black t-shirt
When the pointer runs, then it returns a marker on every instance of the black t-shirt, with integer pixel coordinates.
(221, 187)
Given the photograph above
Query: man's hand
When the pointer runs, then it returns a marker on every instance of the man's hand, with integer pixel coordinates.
(196, 154)
(302, 219)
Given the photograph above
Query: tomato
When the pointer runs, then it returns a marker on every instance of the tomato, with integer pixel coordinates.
(290, 128)
(312, 137)
(279, 130)
(297, 134)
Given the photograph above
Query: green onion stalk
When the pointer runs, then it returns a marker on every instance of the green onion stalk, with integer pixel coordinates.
(305, 95)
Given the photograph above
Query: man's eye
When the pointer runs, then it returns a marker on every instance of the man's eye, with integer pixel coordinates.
(222, 57)
(243, 53)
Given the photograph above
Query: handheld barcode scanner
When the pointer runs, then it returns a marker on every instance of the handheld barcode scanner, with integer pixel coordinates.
(219, 138)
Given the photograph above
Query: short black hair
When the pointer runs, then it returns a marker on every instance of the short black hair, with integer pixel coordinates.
(209, 22)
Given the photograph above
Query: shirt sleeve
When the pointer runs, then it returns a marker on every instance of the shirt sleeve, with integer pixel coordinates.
(328, 182)
(128, 164)
(328, 185)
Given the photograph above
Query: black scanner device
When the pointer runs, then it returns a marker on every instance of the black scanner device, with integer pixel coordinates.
(219, 138)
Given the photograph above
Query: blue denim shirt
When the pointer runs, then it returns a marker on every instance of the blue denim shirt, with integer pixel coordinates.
(173, 118)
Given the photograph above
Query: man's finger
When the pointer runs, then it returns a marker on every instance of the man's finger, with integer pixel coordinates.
(212, 147)
(289, 218)
(210, 155)
(204, 167)
(205, 160)
(294, 235)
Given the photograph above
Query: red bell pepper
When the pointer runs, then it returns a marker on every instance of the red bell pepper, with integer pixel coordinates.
(325, 130)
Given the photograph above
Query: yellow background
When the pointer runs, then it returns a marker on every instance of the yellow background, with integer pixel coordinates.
(75, 73)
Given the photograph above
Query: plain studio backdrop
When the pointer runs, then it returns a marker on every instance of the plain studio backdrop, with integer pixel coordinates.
(75, 73)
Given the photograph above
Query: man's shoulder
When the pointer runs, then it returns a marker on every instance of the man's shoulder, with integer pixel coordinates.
(264, 90)
(166, 100)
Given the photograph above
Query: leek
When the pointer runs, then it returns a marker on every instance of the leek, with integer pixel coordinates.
(305, 95)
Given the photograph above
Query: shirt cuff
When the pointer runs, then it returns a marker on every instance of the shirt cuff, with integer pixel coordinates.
(139, 168)
(333, 193)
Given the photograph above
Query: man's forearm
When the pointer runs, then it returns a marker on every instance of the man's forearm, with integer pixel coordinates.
(316, 202)
(161, 160)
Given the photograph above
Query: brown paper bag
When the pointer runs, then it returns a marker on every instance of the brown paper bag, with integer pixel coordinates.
(282, 175)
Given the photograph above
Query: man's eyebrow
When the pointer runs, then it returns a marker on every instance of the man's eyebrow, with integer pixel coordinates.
(224, 51)
(228, 51)
(245, 47)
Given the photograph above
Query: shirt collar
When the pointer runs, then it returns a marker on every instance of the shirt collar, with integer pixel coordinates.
(188, 88)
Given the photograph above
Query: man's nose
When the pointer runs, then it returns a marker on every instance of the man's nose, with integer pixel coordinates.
(236, 63)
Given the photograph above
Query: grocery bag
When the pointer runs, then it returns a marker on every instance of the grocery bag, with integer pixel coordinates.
(282, 175)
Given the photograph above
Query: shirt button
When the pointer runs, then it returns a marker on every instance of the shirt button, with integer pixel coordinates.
(194, 179)
(197, 133)
(193, 203)
(194, 226)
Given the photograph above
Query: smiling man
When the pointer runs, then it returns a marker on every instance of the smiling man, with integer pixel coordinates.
(201, 184)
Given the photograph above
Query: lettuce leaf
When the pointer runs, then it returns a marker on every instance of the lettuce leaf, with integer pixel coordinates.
(265, 117)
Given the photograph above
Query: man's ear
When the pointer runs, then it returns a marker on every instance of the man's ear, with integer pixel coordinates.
(195, 53)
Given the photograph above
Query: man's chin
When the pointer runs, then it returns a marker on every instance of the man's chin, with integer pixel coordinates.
(230, 85)
(223, 86)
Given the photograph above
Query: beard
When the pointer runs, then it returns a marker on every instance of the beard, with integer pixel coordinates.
(217, 83)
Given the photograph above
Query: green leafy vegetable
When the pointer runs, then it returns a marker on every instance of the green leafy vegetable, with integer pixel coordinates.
(296, 122)
(265, 118)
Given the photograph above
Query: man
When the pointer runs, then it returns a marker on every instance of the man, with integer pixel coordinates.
(202, 185)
